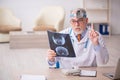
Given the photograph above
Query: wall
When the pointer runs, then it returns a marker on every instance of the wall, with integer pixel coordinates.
(115, 16)
(28, 10)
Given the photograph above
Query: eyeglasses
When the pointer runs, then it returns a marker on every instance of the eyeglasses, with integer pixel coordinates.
(77, 21)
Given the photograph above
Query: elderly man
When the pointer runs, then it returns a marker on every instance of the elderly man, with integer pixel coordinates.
(88, 44)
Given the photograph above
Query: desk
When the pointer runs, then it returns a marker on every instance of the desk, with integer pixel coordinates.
(56, 74)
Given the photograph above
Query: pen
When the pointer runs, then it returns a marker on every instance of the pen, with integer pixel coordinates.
(86, 43)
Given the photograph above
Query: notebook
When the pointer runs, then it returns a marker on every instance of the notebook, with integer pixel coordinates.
(115, 75)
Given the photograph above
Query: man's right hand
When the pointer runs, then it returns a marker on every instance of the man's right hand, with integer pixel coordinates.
(51, 55)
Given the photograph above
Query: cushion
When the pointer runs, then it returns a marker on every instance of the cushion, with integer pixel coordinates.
(8, 28)
(44, 28)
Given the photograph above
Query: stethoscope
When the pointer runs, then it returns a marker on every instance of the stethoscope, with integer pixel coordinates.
(86, 43)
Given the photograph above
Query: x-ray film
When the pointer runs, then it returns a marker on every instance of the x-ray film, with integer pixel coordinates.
(61, 44)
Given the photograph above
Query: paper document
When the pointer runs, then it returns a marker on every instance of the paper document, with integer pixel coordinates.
(32, 77)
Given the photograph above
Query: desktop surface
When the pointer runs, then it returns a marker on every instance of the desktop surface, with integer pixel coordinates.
(55, 74)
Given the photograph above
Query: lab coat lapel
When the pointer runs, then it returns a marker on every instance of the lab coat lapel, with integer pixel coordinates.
(72, 35)
(83, 40)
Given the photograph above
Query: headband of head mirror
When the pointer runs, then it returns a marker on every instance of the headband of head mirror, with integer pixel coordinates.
(78, 13)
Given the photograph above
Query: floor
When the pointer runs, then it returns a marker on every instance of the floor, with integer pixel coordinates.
(14, 62)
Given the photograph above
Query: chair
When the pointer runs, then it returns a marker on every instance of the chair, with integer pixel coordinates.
(8, 22)
(50, 18)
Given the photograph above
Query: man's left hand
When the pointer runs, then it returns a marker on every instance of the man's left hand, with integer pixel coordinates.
(93, 35)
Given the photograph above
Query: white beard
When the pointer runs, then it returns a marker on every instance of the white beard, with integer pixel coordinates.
(80, 32)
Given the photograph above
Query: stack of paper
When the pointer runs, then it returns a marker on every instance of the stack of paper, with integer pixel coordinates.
(32, 77)
(89, 73)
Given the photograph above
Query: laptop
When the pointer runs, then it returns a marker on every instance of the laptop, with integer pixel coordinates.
(116, 75)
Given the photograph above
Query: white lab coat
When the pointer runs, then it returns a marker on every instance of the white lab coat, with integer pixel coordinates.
(89, 56)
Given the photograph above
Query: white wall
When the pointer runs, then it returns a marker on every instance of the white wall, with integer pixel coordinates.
(115, 16)
(28, 10)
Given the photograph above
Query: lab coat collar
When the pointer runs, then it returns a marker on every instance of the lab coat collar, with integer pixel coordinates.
(84, 36)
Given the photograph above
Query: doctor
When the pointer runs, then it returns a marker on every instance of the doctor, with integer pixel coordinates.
(88, 44)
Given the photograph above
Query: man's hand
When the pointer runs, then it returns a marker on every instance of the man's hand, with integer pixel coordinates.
(51, 55)
(93, 35)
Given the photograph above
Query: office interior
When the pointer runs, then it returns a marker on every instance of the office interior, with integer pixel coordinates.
(29, 60)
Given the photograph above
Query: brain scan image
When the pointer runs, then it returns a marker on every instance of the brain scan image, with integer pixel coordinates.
(62, 51)
(58, 39)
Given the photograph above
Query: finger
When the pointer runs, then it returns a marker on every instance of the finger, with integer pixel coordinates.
(51, 54)
(51, 58)
(95, 34)
(90, 34)
(51, 51)
(92, 27)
